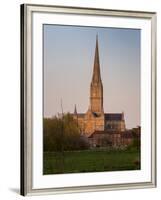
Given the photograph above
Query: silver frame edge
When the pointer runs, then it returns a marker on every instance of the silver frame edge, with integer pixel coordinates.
(26, 98)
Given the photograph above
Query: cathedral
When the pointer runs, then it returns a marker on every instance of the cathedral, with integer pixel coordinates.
(95, 120)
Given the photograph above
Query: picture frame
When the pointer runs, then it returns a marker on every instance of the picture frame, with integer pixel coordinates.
(32, 19)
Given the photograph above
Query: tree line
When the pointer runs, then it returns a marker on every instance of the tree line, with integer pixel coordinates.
(62, 133)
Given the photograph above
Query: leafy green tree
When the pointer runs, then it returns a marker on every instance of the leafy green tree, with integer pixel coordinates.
(63, 133)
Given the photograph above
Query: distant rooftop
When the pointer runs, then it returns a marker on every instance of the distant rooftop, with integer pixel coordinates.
(113, 116)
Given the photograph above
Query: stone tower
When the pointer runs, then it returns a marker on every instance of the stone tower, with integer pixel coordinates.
(94, 118)
(96, 88)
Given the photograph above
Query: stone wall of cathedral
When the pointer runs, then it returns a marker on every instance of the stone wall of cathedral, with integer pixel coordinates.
(90, 123)
(115, 125)
(93, 123)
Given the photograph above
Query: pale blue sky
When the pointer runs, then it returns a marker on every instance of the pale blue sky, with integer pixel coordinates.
(68, 66)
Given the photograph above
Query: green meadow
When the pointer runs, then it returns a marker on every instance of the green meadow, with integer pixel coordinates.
(90, 161)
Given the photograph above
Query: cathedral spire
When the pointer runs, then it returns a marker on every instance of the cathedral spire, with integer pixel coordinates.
(96, 88)
(96, 69)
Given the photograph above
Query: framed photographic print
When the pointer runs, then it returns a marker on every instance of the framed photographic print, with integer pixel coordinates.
(88, 99)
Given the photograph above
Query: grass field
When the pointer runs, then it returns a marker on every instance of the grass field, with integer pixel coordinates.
(91, 161)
